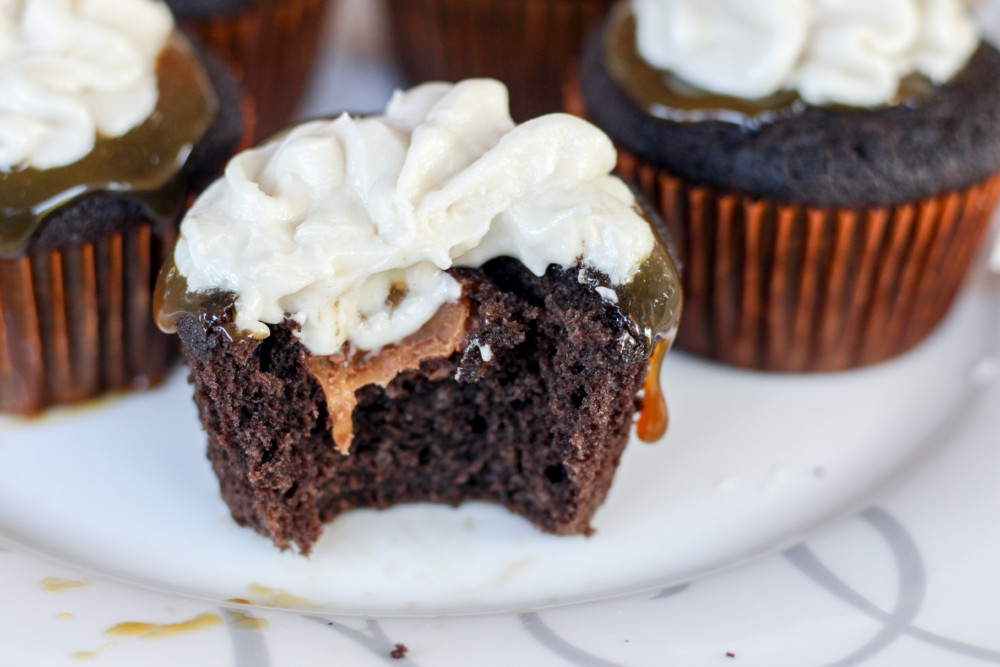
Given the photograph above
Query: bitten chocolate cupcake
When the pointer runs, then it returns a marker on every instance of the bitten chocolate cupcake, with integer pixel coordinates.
(108, 122)
(270, 44)
(828, 168)
(527, 44)
(429, 305)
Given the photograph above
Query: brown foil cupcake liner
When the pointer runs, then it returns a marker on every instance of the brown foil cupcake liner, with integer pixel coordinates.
(527, 44)
(77, 322)
(271, 48)
(790, 287)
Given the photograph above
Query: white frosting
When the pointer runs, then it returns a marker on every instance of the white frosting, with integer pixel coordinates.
(70, 69)
(320, 223)
(830, 51)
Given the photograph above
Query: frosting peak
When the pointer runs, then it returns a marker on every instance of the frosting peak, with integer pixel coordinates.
(70, 69)
(852, 52)
(348, 225)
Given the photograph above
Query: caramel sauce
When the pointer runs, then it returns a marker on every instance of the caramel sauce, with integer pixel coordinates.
(172, 301)
(90, 655)
(59, 585)
(162, 631)
(275, 597)
(665, 96)
(652, 301)
(144, 164)
(341, 375)
(654, 418)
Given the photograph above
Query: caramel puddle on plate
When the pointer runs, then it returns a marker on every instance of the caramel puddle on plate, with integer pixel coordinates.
(59, 585)
(274, 597)
(162, 631)
(90, 655)
(153, 631)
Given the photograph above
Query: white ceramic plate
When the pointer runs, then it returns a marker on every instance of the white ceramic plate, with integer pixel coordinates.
(110, 515)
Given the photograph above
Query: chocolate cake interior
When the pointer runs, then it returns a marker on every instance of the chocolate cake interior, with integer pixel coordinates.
(532, 411)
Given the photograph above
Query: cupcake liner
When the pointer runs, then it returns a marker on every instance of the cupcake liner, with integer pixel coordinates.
(77, 322)
(271, 48)
(790, 287)
(527, 44)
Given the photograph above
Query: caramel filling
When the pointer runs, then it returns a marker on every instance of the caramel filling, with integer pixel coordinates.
(341, 375)
(144, 164)
(665, 96)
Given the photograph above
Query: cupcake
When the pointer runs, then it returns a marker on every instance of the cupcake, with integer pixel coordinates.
(108, 122)
(828, 168)
(527, 44)
(428, 305)
(271, 45)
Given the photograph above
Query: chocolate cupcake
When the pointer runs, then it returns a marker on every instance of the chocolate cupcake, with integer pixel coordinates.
(430, 305)
(828, 170)
(527, 44)
(270, 44)
(99, 151)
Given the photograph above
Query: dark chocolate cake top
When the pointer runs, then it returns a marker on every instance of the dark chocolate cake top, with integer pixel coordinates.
(945, 140)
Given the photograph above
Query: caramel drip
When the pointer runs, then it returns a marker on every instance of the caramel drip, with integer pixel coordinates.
(144, 164)
(652, 300)
(665, 96)
(654, 418)
(341, 375)
(172, 302)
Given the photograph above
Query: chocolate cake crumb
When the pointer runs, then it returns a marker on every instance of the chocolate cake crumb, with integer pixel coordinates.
(399, 652)
(730, 655)
(539, 428)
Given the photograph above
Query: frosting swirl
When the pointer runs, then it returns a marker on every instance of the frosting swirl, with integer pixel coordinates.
(853, 52)
(348, 225)
(73, 69)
